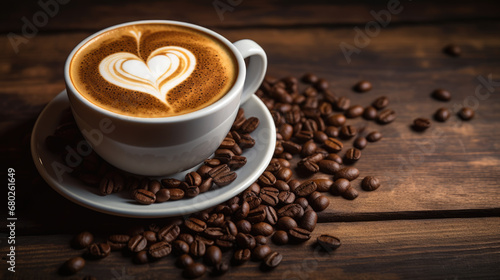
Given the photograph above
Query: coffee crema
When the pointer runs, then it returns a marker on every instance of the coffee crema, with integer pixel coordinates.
(153, 70)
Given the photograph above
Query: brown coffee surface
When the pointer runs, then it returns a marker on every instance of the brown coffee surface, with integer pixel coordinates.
(214, 73)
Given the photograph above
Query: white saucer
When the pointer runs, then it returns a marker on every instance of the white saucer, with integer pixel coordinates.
(258, 157)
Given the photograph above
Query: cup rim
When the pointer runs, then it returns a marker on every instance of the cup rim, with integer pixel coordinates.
(221, 103)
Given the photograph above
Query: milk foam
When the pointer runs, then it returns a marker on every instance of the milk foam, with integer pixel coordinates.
(166, 68)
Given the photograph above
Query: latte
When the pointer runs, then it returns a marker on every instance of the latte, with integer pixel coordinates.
(153, 70)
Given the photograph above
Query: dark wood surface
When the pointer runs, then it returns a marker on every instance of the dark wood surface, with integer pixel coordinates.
(436, 215)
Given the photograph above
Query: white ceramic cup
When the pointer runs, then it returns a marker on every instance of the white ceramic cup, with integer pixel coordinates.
(167, 145)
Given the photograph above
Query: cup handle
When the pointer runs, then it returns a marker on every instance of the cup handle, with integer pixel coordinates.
(256, 69)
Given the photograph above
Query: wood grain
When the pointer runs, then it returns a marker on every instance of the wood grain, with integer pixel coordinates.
(418, 249)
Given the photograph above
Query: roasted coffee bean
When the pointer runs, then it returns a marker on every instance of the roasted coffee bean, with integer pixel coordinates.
(328, 166)
(176, 194)
(186, 237)
(73, 265)
(191, 191)
(328, 243)
(140, 258)
(354, 111)
(213, 232)
(291, 210)
(217, 219)
(452, 50)
(282, 185)
(260, 252)
(137, 243)
(340, 186)
(207, 242)
(292, 147)
(193, 178)
(212, 162)
(286, 197)
(349, 173)
(380, 103)
(237, 162)
(373, 136)
(321, 84)
(309, 78)
(343, 103)
(369, 113)
(269, 195)
(257, 214)
(347, 132)
(223, 155)
(82, 240)
(286, 223)
(224, 179)
(227, 143)
(362, 86)
(442, 115)
(309, 220)
(350, 193)
(194, 270)
(308, 148)
(370, 183)
(160, 249)
(333, 145)
(466, 113)
(335, 157)
(242, 255)
(118, 241)
(320, 137)
(226, 241)
(260, 240)
(309, 166)
(286, 131)
(323, 184)
(101, 250)
(332, 131)
(386, 116)
(197, 248)
(244, 226)
(299, 234)
(144, 197)
(284, 174)
(219, 169)
(203, 171)
(213, 255)
(271, 215)
(262, 228)
(304, 136)
(352, 155)
(184, 261)
(336, 120)
(171, 182)
(180, 247)
(106, 186)
(245, 240)
(250, 125)
(306, 188)
(421, 124)
(441, 94)
(267, 179)
(169, 233)
(302, 201)
(162, 195)
(319, 203)
(360, 142)
(280, 237)
(273, 260)
(195, 225)
(154, 186)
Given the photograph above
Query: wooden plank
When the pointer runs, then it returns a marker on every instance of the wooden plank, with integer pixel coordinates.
(94, 15)
(417, 249)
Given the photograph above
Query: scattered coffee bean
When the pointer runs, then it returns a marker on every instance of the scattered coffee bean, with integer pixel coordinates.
(369, 113)
(280, 237)
(354, 111)
(299, 234)
(137, 243)
(140, 258)
(352, 155)
(441, 94)
(349, 173)
(242, 255)
(347, 132)
(160, 249)
(362, 86)
(386, 116)
(328, 243)
(309, 220)
(144, 197)
(82, 240)
(73, 265)
(374, 136)
(442, 115)
(466, 113)
(350, 193)
(118, 241)
(370, 183)
(309, 78)
(99, 250)
(360, 142)
(213, 255)
(421, 124)
(260, 252)
(184, 260)
(380, 103)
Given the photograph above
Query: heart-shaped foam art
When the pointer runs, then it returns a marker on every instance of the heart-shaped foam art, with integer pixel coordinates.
(165, 68)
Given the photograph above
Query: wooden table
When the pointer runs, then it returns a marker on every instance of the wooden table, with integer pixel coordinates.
(436, 215)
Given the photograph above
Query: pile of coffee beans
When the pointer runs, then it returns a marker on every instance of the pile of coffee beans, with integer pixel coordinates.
(311, 160)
